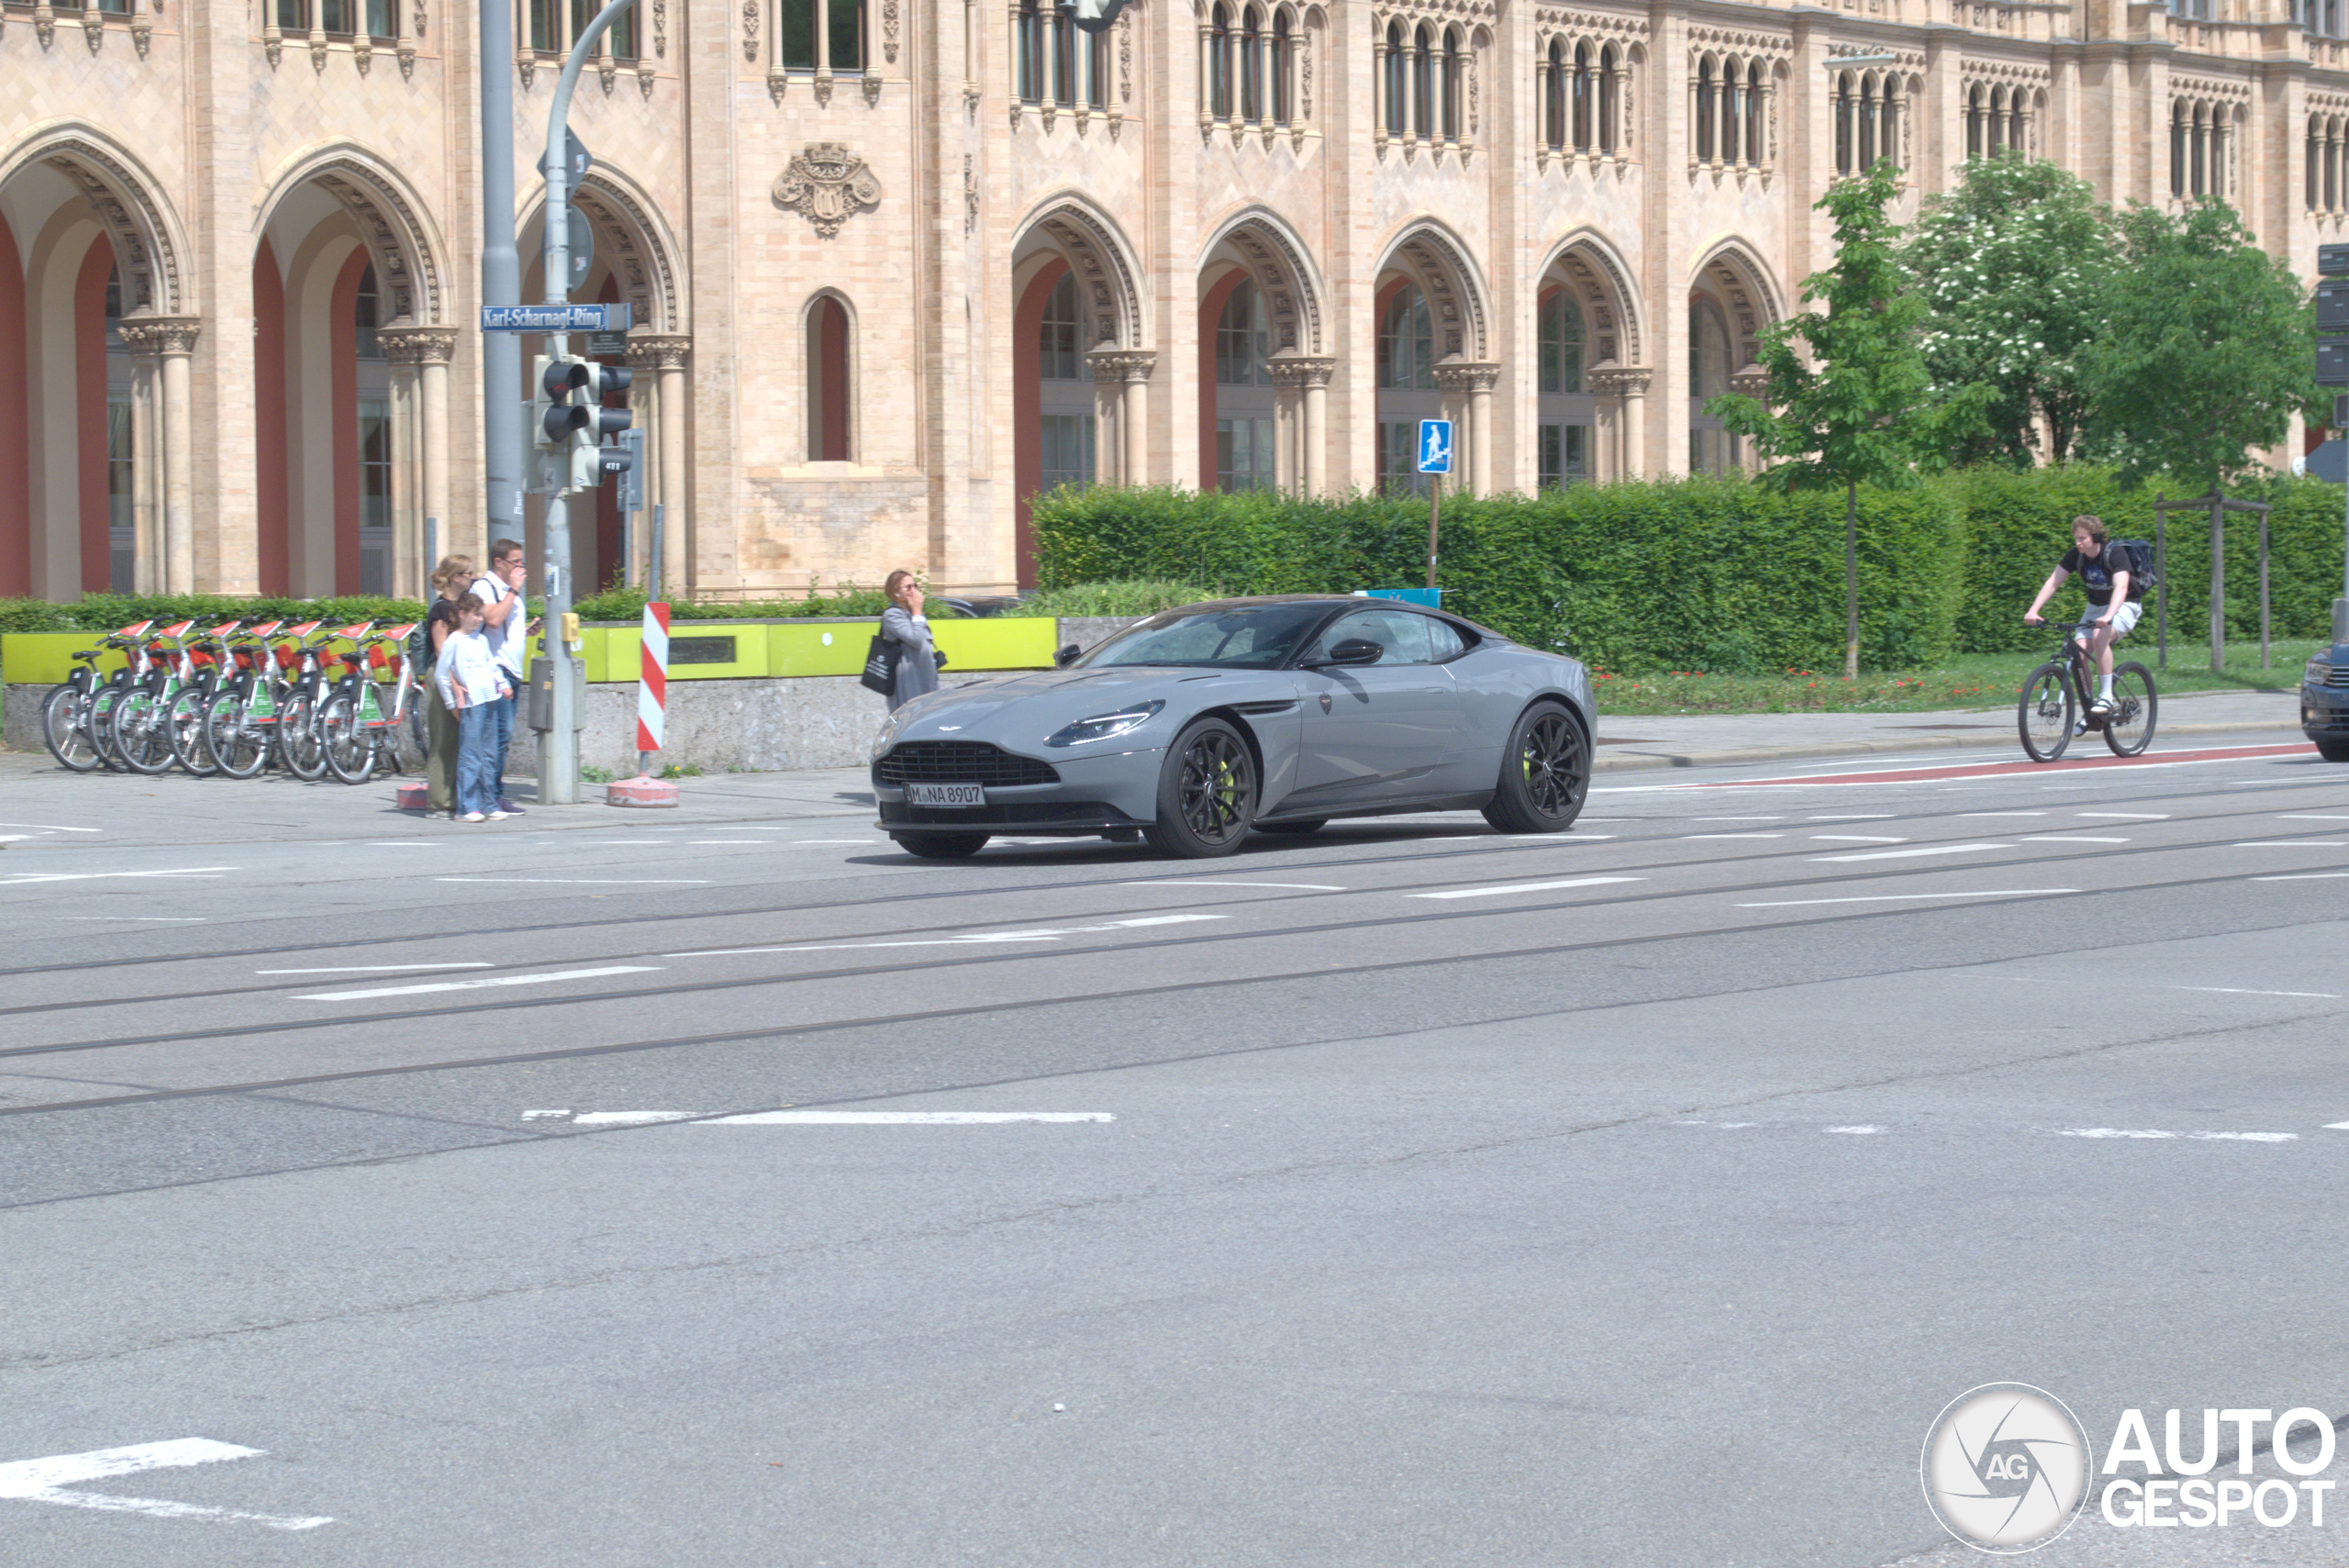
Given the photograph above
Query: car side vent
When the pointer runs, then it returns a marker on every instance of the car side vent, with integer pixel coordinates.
(960, 761)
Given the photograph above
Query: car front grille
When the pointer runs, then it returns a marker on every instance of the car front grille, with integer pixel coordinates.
(960, 761)
(1041, 816)
(2335, 675)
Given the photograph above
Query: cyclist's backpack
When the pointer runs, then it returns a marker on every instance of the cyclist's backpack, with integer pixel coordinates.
(2141, 573)
(419, 645)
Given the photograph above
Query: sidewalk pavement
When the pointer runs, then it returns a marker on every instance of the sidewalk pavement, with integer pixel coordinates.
(41, 800)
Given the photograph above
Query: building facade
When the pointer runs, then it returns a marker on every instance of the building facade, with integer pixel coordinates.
(896, 265)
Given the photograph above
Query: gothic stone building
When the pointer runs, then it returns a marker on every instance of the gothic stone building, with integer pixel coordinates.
(898, 264)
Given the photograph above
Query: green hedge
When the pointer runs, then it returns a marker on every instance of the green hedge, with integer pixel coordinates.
(1719, 575)
(628, 604)
(105, 612)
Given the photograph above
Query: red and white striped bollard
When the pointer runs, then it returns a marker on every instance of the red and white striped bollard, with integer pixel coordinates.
(651, 718)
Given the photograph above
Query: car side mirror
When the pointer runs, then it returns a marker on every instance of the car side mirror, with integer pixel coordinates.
(1067, 656)
(1352, 650)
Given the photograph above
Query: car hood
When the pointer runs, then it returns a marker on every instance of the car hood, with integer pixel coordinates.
(1024, 708)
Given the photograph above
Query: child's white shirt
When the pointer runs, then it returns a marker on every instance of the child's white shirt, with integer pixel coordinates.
(468, 670)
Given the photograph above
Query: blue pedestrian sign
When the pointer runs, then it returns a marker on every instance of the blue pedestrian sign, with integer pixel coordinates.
(1435, 446)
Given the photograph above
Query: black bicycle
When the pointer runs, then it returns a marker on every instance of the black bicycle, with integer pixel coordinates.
(2055, 701)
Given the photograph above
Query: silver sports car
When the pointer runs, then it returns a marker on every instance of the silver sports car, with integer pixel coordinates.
(1276, 715)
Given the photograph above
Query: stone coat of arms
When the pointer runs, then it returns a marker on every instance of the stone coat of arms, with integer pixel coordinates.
(828, 184)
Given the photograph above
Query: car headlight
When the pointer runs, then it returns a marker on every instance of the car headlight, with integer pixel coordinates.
(2320, 669)
(1103, 725)
(889, 736)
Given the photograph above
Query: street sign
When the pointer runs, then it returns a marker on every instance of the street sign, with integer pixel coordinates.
(1095, 16)
(582, 248)
(556, 318)
(601, 344)
(2332, 259)
(1431, 597)
(2333, 305)
(631, 496)
(1435, 446)
(576, 160)
(2332, 362)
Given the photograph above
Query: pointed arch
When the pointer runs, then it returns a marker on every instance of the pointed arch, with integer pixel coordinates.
(1269, 251)
(1096, 249)
(409, 258)
(1742, 285)
(1602, 284)
(643, 249)
(150, 243)
(1455, 290)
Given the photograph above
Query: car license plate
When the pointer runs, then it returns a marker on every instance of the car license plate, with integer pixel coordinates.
(945, 794)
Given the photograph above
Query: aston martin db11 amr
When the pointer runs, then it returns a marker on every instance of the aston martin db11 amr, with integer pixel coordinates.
(1203, 723)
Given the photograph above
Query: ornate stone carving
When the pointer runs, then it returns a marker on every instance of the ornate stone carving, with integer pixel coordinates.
(406, 49)
(1295, 370)
(970, 196)
(143, 29)
(1467, 376)
(45, 24)
(527, 64)
(422, 12)
(1620, 381)
(827, 184)
(1126, 55)
(751, 30)
(871, 91)
(823, 89)
(889, 30)
(318, 49)
(405, 343)
(161, 334)
(644, 77)
(94, 27)
(272, 42)
(1121, 365)
(608, 71)
(778, 81)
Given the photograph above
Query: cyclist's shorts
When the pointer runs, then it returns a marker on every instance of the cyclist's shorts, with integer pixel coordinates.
(2124, 619)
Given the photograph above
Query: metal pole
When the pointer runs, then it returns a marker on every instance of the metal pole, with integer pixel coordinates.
(1435, 506)
(559, 750)
(504, 455)
(653, 557)
(2161, 573)
(2263, 590)
(2218, 584)
(1850, 582)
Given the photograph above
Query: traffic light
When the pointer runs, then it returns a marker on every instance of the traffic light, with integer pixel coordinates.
(590, 459)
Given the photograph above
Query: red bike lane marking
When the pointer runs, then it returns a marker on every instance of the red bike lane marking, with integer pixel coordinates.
(1997, 770)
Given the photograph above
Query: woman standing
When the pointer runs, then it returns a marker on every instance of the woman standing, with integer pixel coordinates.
(903, 623)
(452, 581)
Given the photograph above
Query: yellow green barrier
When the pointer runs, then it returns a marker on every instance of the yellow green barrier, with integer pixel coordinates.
(733, 650)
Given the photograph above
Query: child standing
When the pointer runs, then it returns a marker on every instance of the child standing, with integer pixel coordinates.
(472, 684)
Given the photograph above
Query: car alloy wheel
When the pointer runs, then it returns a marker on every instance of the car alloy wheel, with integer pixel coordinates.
(1544, 773)
(1207, 793)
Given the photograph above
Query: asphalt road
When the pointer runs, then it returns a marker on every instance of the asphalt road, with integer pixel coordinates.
(1405, 1194)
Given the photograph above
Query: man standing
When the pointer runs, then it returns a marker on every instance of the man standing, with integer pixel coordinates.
(505, 623)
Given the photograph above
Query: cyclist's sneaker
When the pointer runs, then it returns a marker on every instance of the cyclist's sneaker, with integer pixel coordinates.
(472, 816)
(2101, 706)
(507, 807)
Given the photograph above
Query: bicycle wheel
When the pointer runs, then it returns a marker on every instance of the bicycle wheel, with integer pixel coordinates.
(345, 742)
(237, 748)
(299, 748)
(2043, 717)
(2129, 728)
(183, 723)
(139, 735)
(104, 704)
(66, 725)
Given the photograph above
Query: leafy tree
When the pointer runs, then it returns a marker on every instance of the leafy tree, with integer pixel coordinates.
(1862, 410)
(2207, 352)
(2013, 265)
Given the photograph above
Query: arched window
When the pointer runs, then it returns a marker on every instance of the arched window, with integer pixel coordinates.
(1562, 417)
(1973, 122)
(1451, 93)
(1847, 142)
(1406, 389)
(2311, 154)
(1423, 84)
(810, 35)
(1096, 70)
(1242, 338)
(1407, 343)
(827, 382)
(1030, 53)
(1711, 449)
(2178, 156)
(1399, 121)
(1890, 112)
(1065, 442)
(1244, 457)
(1059, 337)
(1869, 124)
(1705, 89)
(1582, 104)
(1732, 116)
(1283, 68)
(1554, 89)
(1063, 56)
(1611, 65)
(2017, 136)
(1251, 66)
(1755, 121)
(1220, 64)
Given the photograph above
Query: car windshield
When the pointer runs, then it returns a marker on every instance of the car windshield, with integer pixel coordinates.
(1255, 637)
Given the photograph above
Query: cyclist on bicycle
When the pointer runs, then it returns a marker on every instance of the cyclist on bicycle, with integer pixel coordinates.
(2106, 570)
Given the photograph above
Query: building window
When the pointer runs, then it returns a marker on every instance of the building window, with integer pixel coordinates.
(1242, 338)
(1866, 121)
(1405, 390)
(1220, 64)
(374, 497)
(1399, 66)
(363, 317)
(1243, 454)
(1066, 426)
(1067, 450)
(122, 547)
(383, 19)
(1564, 457)
(1555, 87)
(1251, 66)
(334, 17)
(1452, 88)
(821, 36)
(1243, 426)
(829, 391)
(1711, 449)
(1422, 83)
(2324, 161)
(1029, 51)
(1564, 410)
(553, 26)
(1561, 345)
(1060, 354)
(1707, 88)
(1283, 68)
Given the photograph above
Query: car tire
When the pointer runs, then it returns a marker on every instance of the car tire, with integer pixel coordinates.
(1310, 825)
(942, 846)
(1545, 773)
(1207, 793)
(2333, 750)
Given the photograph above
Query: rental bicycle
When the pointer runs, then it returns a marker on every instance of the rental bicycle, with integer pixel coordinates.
(76, 716)
(2055, 700)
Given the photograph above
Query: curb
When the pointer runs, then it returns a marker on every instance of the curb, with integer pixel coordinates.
(1652, 761)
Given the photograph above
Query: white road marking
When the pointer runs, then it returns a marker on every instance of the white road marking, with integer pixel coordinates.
(477, 985)
(375, 968)
(14, 837)
(900, 1119)
(1179, 882)
(1854, 838)
(1851, 817)
(45, 1480)
(1904, 897)
(1861, 1130)
(2059, 838)
(1737, 820)
(52, 828)
(2336, 1127)
(589, 881)
(2247, 1137)
(1039, 934)
(145, 920)
(2113, 1132)
(762, 843)
(2293, 844)
(2003, 814)
(2312, 817)
(832, 841)
(2246, 991)
(600, 843)
(2126, 816)
(1732, 835)
(1526, 887)
(1904, 854)
(544, 1116)
(22, 878)
(403, 844)
(2305, 876)
(632, 1118)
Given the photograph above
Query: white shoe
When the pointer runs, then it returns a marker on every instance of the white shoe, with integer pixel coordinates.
(499, 815)
(2101, 706)
(472, 816)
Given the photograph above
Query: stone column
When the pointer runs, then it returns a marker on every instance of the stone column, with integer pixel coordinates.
(1131, 368)
(1751, 382)
(1303, 381)
(1628, 388)
(419, 357)
(665, 353)
(1470, 382)
(172, 340)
